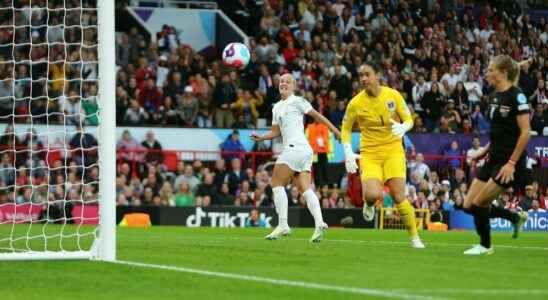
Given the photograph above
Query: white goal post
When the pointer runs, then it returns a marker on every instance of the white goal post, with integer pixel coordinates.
(29, 228)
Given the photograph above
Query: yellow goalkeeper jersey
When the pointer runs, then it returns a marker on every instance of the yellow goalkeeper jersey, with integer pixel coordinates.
(373, 115)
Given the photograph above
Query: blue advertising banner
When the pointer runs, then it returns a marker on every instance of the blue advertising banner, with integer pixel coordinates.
(538, 221)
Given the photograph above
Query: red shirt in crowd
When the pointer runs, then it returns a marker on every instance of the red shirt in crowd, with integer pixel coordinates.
(290, 54)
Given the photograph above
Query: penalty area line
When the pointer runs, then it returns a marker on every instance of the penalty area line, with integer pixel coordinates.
(283, 282)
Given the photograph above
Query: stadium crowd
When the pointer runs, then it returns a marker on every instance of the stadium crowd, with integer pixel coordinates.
(434, 54)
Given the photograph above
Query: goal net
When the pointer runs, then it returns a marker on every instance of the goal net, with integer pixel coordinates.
(57, 129)
(389, 218)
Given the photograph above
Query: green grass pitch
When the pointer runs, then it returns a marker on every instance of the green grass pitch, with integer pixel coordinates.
(348, 264)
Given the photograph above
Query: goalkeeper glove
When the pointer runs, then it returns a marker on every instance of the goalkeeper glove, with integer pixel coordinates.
(350, 159)
(399, 129)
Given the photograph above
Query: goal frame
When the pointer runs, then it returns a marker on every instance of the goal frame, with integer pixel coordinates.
(104, 246)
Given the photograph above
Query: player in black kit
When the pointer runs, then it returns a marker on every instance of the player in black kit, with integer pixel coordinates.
(505, 165)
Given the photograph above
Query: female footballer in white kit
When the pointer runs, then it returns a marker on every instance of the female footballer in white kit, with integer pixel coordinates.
(296, 156)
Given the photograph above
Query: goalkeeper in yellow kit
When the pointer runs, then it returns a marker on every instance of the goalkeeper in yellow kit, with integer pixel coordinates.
(383, 119)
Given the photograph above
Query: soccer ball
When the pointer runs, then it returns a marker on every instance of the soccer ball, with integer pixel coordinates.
(236, 55)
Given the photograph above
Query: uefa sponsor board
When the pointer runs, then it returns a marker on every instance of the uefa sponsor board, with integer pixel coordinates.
(215, 218)
(537, 221)
(19, 213)
(231, 216)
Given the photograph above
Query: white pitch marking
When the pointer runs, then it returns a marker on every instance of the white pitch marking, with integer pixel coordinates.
(367, 242)
(481, 291)
(302, 284)
(439, 244)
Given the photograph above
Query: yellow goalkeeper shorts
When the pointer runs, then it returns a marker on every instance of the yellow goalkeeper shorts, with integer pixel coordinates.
(382, 165)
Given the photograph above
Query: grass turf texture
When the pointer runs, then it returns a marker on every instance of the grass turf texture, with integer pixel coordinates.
(368, 259)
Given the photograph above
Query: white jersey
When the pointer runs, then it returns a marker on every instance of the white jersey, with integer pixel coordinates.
(288, 115)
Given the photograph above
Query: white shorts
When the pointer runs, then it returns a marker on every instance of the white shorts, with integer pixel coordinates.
(298, 159)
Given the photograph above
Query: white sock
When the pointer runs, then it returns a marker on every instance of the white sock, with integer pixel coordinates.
(280, 201)
(313, 204)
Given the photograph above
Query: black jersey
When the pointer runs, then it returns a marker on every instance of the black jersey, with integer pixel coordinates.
(504, 108)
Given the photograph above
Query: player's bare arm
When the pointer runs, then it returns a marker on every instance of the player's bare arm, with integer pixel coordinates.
(320, 118)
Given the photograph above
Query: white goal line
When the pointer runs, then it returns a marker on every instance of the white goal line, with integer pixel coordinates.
(283, 282)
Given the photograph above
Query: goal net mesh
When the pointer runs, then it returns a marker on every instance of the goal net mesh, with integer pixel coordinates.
(49, 168)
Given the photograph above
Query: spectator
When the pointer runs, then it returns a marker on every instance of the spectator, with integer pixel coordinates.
(255, 220)
(166, 195)
(458, 178)
(247, 107)
(184, 196)
(224, 95)
(451, 78)
(540, 118)
(152, 181)
(154, 153)
(535, 207)
(236, 176)
(167, 39)
(189, 178)
(189, 108)
(419, 126)
(472, 154)
(135, 114)
(130, 150)
(418, 92)
(321, 141)
(263, 50)
(83, 147)
(232, 146)
(243, 199)
(7, 171)
(245, 187)
(220, 172)
(452, 116)
(460, 96)
(70, 106)
(481, 123)
(206, 189)
(224, 197)
(150, 97)
(540, 95)
(419, 166)
(336, 116)
(436, 214)
(544, 199)
(474, 91)
(341, 85)
(453, 153)
(422, 201)
(432, 103)
(169, 113)
(175, 86)
(526, 202)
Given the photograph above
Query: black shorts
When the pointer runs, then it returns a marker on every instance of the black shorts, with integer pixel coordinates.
(491, 169)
